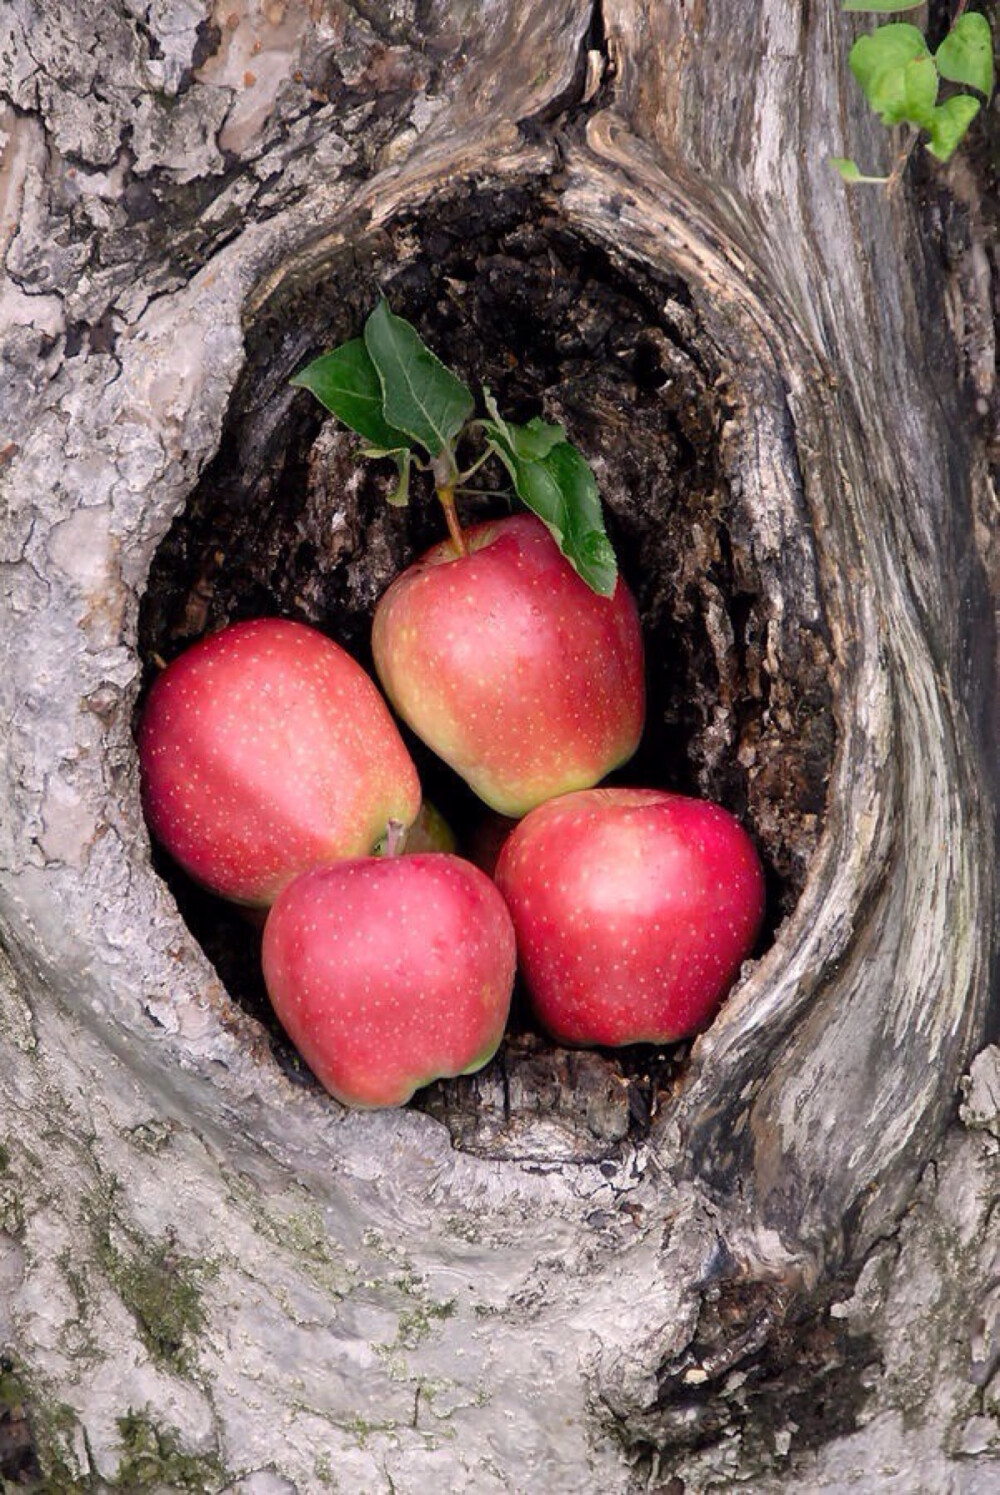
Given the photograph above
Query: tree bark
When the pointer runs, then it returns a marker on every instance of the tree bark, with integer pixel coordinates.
(212, 1276)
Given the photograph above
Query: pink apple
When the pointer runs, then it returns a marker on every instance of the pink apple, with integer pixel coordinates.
(265, 749)
(634, 909)
(387, 973)
(506, 664)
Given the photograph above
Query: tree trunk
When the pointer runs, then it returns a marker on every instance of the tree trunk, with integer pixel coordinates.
(663, 1270)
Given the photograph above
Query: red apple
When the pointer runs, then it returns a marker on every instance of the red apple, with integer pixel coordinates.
(387, 973)
(265, 749)
(634, 909)
(508, 665)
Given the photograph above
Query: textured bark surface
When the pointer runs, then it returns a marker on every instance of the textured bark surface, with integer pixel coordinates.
(596, 1275)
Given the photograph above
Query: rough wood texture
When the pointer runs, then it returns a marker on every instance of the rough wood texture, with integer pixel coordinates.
(213, 1274)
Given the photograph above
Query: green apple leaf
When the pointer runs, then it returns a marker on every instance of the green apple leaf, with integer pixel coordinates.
(585, 542)
(882, 6)
(560, 488)
(403, 458)
(949, 123)
(966, 54)
(851, 171)
(346, 382)
(532, 441)
(419, 395)
(537, 438)
(896, 73)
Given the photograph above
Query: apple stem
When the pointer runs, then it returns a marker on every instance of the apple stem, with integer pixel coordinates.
(395, 838)
(446, 493)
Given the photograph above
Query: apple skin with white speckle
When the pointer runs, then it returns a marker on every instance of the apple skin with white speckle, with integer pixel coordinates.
(634, 909)
(388, 973)
(265, 749)
(509, 667)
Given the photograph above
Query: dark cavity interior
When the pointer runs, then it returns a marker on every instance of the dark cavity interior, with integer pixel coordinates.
(287, 521)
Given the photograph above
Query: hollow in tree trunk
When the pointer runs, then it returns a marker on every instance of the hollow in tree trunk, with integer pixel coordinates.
(676, 1269)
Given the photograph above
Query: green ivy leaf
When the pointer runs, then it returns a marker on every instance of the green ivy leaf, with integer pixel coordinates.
(560, 488)
(420, 396)
(346, 382)
(882, 6)
(851, 171)
(896, 73)
(966, 54)
(949, 123)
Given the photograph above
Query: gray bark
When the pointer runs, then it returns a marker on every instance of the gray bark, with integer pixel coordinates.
(213, 1277)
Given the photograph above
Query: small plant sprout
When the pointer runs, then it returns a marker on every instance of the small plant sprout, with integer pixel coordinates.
(901, 79)
(406, 405)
